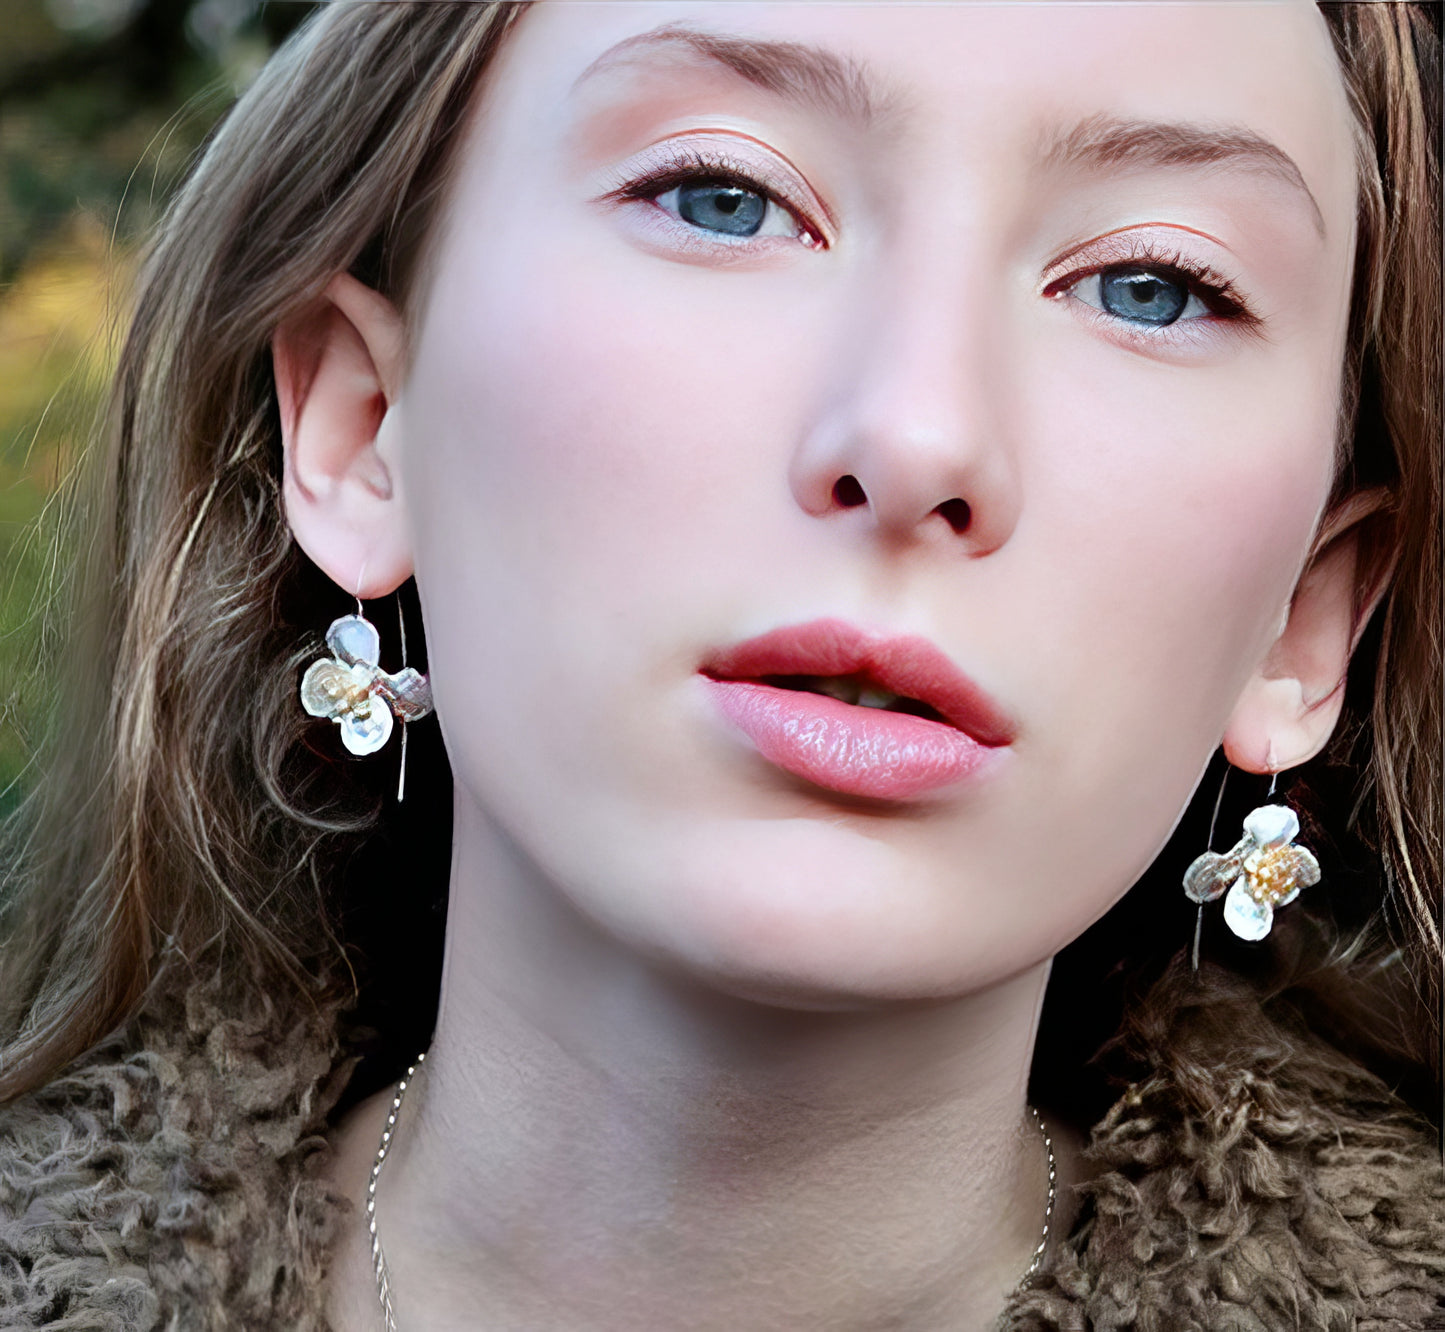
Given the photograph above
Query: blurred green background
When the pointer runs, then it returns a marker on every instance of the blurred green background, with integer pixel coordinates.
(103, 103)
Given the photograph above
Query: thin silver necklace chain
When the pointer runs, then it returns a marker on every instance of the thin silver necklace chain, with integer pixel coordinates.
(378, 1256)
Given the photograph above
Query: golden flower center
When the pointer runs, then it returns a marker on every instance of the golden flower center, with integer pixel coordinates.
(1273, 873)
(358, 700)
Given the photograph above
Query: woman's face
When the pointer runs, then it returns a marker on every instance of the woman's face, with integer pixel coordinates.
(1020, 335)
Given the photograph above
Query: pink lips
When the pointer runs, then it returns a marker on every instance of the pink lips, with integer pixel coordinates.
(849, 748)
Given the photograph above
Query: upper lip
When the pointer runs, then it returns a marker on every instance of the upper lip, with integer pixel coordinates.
(907, 665)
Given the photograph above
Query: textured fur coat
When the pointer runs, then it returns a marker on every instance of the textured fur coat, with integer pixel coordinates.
(1251, 1180)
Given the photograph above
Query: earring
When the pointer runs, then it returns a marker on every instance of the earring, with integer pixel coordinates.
(351, 689)
(1263, 871)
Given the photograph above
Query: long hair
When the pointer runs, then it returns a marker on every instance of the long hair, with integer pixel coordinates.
(184, 813)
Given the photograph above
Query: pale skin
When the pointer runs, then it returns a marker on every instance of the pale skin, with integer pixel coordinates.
(718, 1050)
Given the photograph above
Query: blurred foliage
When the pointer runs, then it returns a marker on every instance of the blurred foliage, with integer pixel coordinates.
(103, 103)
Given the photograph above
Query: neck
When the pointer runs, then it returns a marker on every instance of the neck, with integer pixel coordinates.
(594, 1142)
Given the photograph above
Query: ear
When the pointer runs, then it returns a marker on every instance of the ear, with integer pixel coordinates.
(338, 373)
(1291, 705)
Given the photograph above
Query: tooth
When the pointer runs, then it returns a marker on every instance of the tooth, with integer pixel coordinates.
(873, 697)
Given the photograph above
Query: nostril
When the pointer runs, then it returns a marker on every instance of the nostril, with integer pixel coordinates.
(848, 493)
(957, 513)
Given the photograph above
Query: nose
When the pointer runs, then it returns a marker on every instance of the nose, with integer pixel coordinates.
(914, 432)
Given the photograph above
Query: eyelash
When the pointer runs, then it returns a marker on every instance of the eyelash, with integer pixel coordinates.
(1222, 297)
(694, 166)
(1216, 291)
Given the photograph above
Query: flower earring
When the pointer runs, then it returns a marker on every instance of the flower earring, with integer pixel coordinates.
(1263, 871)
(351, 689)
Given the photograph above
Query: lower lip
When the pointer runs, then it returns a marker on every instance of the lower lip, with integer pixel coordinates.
(844, 747)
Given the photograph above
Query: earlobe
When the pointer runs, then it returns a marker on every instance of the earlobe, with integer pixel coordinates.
(1291, 704)
(338, 369)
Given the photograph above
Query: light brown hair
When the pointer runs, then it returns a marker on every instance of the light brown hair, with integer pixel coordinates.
(185, 812)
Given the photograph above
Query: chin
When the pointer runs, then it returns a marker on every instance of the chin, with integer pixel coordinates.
(795, 914)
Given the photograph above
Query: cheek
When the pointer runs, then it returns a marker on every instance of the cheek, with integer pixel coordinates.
(570, 403)
(593, 467)
(1169, 511)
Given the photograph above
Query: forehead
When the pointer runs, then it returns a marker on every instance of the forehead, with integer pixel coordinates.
(1000, 85)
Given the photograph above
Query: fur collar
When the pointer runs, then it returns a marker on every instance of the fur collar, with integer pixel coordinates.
(1251, 1179)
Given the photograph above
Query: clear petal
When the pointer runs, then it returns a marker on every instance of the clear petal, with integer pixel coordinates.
(1247, 918)
(354, 640)
(408, 692)
(325, 688)
(1272, 825)
(1209, 875)
(1307, 867)
(366, 734)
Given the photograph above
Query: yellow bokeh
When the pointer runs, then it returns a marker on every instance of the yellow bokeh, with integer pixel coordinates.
(59, 325)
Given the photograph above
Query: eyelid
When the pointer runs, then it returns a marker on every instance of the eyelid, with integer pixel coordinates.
(1231, 309)
(652, 176)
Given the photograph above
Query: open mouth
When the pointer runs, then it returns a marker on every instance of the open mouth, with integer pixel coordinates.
(844, 709)
(859, 689)
(881, 676)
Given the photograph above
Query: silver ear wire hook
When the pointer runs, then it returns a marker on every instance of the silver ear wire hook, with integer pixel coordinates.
(401, 624)
(401, 770)
(1208, 846)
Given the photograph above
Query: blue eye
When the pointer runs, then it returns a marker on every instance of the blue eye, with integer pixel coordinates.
(1142, 295)
(721, 198)
(1151, 296)
(719, 205)
(1141, 288)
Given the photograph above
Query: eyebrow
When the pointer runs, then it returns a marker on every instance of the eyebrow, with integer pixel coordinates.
(1102, 141)
(810, 75)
